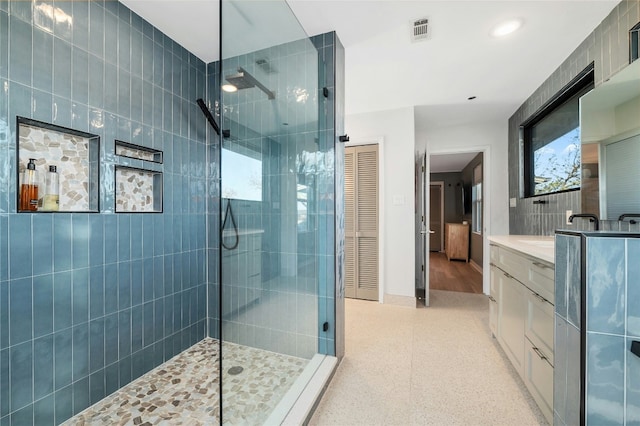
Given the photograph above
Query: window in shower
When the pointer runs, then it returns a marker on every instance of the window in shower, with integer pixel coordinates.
(242, 175)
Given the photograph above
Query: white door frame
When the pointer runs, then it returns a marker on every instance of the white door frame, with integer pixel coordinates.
(377, 140)
(486, 204)
(441, 185)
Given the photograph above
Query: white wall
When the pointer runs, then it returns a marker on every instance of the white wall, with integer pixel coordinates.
(397, 129)
(402, 137)
(490, 137)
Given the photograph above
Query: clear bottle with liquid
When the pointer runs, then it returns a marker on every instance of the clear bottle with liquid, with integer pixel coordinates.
(29, 188)
(51, 198)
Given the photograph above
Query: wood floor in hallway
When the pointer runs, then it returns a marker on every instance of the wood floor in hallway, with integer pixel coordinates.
(453, 275)
(424, 366)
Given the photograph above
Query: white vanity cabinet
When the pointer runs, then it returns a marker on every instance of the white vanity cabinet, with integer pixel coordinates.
(521, 316)
(494, 297)
(511, 316)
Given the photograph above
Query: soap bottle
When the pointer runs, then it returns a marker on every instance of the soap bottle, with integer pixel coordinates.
(29, 188)
(51, 199)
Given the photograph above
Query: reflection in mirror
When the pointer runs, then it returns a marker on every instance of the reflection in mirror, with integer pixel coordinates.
(610, 137)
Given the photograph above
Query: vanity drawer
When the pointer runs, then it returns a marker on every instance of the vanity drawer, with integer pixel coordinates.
(495, 254)
(514, 264)
(541, 279)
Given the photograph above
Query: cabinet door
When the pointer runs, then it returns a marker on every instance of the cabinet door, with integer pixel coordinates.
(496, 276)
(494, 295)
(539, 324)
(539, 380)
(493, 317)
(511, 315)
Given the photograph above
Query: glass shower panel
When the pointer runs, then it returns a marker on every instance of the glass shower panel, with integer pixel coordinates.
(270, 205)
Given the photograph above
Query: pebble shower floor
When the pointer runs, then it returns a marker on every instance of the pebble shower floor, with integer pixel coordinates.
(184, 390)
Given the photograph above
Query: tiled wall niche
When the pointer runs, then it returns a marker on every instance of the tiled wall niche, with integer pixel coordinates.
(75, 155)
(138, 190)
(129, 150)
(608, 47)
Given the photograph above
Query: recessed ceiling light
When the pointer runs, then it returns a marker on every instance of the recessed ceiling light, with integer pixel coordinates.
(229, 88)
(506, 27)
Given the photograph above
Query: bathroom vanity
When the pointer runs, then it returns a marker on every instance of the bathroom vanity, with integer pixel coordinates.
(522, 298)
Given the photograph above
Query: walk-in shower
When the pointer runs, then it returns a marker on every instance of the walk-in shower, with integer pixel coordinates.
(217, 297)
(277, 199)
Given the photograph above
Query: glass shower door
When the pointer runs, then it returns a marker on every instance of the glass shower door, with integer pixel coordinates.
(270, 265)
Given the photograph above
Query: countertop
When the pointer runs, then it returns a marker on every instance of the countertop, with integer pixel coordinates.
(537, 246)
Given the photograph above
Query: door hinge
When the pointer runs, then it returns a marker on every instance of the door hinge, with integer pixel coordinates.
(325, 326)
(422, 268)
(422, 168)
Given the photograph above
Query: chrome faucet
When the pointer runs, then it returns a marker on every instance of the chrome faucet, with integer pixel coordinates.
(592, 218)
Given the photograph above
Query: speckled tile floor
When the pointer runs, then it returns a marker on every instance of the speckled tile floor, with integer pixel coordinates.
(427, 366)
(184, 390)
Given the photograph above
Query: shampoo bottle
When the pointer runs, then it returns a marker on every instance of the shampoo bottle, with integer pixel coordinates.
(51, 199)
(29, 188)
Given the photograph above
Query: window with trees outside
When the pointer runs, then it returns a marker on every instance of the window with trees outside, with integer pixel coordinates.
(241, 175)
(552, 141)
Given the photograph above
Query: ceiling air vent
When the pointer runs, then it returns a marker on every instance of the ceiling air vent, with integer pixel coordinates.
(419, 30)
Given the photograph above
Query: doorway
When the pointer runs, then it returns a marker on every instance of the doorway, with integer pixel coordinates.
(436, 216)
(361, 222)
(462, 201)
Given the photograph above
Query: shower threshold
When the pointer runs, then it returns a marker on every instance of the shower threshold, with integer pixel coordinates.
(185, 389)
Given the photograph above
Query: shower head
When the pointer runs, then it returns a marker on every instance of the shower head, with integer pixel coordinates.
(243, 80)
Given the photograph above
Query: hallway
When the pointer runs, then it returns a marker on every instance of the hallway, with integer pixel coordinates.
(426, 366)
(453, 275)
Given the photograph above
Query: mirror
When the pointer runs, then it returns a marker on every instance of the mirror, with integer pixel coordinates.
(610, 138)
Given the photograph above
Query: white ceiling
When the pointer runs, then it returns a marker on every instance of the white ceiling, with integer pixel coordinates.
(385, 70)
(444, 163)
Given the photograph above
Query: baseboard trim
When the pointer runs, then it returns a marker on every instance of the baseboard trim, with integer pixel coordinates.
(475, 266)
(394, 299)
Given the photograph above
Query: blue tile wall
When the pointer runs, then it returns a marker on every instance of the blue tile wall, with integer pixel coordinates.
(607, 46)
(115, 294)
(632, 408)
(633, 290)
(610, 284)
(606, 286)
(605, 384)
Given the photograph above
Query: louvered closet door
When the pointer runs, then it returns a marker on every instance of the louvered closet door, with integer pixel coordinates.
(361, 222)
